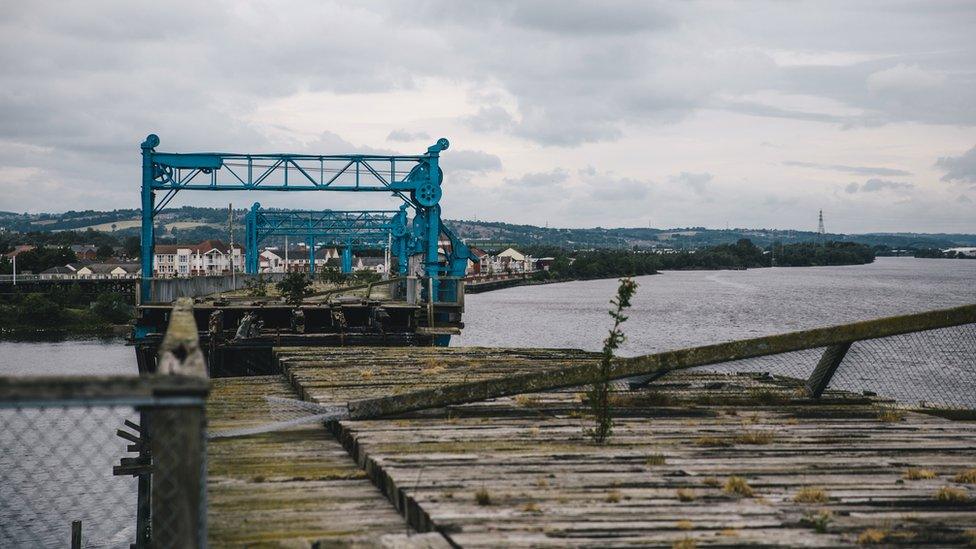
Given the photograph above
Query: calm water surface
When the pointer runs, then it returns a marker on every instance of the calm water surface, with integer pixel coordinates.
(680, 309)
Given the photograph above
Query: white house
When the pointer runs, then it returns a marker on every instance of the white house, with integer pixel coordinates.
(109, 270)
(210, 257)
(512, 260)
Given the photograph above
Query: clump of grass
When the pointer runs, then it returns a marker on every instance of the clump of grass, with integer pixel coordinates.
(970, 537)
(526, 401)
(889, 415)
(685, 494)
(948, 494)
(613, 496)
(729, 533)
(684, 525)
(531, 507)
(714, 442)
(767, 396)
(914, 473)
(811, 494)
(598, 395)
(642, 399)
(685, 543)
(259, 478)
(966, 477)
(711, 482)
(819, 521)
(541, 482)
(737, 486)
(872, 536)
(655, 459)
(366, 374)
(482, 497)
(755, 437)
(432, 366)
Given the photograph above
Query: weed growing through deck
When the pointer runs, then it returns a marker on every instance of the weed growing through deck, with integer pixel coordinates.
(714, 442)
(918, 474)
(811, 494)
(889, 415)
(655, 459)
(872, 536)
(526, 401)
(531, 507)
(685, 494)
(613, 496)
(598, 394)
(970, 537)
(737, 486)
(768, 397)
(755, 437)
(966, 477)
(948, 494)
(711, 482)
(482, 497)
(366, 374)
(684, 525)
(686, 543)
(819, 521)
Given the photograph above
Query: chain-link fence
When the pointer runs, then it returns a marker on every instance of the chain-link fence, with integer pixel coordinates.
(121, 458)
(930, 369)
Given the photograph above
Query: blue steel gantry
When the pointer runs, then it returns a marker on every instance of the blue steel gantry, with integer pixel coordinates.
(416, 179)
(359, 229)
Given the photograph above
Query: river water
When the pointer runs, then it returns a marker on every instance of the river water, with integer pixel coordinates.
(671, 310)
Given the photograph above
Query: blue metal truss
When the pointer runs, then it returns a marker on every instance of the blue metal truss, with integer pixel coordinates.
(357, 229)
(416, 179)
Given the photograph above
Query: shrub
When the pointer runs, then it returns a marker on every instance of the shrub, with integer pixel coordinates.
(918, 474)
(966, 477)
(482, 497)
(951, 495)
(294, 287)
(38, 310)
(112, 308)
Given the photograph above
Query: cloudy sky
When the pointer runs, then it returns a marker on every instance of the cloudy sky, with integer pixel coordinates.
(572, 114)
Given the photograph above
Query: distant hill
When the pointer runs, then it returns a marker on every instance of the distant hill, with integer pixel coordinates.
(194, 224)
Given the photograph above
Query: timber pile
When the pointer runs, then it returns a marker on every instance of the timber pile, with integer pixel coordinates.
(697, 458)
(293, 487)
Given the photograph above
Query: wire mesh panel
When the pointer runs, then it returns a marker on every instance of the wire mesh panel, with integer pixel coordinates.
(931, 368)
(935, 368)
(56, 467)
(121, 457)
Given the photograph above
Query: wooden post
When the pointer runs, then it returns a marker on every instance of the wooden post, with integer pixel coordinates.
(76, 534)
(829, 361)
(177, 438)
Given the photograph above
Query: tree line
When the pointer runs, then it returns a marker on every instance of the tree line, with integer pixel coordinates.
(741, 255)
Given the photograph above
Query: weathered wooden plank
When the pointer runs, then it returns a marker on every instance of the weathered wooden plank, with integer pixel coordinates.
(550, 486)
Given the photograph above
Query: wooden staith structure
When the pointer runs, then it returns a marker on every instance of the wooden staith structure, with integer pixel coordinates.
(703, 458)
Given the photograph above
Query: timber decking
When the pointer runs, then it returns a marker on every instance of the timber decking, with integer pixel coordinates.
(667, 475)
(292, 487)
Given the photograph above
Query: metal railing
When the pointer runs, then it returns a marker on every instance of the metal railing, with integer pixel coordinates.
(122, 458)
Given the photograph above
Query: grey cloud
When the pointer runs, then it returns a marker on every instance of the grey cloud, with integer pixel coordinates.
(471, 161)
(856, 170)
(959, 168)
(874, 185)
(539, 180)
(696, 181)
(490, 118)
(406, 137)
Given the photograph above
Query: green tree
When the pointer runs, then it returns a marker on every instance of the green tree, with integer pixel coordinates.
(104, 252)
(294, 287)
(112, 308)
(38, 310)
(132, 246)
(332, 275)
(598, 395)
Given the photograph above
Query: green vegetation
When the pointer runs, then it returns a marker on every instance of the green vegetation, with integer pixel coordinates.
(257, 287)
(294, 287)
(64, 311)
(332, 275)
(598, 394)
(740, 255)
